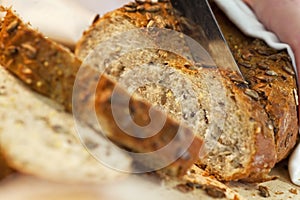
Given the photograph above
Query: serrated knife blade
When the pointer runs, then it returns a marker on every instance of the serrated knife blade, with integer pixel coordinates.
(198, 22)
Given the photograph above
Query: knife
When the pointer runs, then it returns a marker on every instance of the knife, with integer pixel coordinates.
(198, 21)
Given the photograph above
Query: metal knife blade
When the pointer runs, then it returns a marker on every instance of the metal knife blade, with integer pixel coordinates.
(198, 21)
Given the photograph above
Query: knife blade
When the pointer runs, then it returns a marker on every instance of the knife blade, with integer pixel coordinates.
(198, 21)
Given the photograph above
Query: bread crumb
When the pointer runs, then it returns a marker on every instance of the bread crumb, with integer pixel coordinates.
(293, 191)
(263, 191)
(184, 188)
(279, 193)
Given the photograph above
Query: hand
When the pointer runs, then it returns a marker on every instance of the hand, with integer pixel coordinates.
(283, 18)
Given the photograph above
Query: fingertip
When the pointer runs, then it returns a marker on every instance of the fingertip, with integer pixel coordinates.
(249, 2)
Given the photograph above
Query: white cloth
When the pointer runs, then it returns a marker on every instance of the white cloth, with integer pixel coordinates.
(61, 20)
(65, 20)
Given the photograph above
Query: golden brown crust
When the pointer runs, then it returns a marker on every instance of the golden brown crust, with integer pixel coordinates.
(254, 170)
(5, 170)
(39, 63)
(271, 75)
(138, 14)
(262, 159)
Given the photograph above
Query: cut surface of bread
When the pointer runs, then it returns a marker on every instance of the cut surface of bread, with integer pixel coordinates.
(50, 69)
(35, 140)
(231, 122)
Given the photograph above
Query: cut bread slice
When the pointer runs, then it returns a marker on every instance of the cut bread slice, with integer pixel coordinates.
(226, 115)
(50, 69)
(217, 107)
(35, 140)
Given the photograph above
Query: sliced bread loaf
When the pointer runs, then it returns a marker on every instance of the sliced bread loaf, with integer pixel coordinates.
(50, 69)
(225, 115)
(35, 140)
(271, 75)
(36, 136)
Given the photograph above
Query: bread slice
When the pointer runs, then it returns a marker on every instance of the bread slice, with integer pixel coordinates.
(50, 69)
(271, 75)
(234, 121)
(5, 170)
(226, 114)
(35, 140)
(38, 138)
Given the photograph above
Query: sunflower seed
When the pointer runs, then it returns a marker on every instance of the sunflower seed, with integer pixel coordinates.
(251, 93)
(160, 21)
(11, 50)
(26, 71)
(140, 8)
(151, 23)
(245, 64)
(271, 73)
(262, 66)
(247, 56)
(39, 84)
(131, 5)
(31, 52)
(148, 16)
(129, 9)
(154, 8)
(266, 52)
(12, 26)
(28, 81)
(263, 191)
(140, 1)
(288, 70)
(296, 96)
(167, 7)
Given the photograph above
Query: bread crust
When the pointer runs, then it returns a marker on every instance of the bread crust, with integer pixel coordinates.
(271, 75)
(261, 160)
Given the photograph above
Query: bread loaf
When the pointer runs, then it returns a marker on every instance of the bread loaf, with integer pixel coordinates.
(239, 151)
(50, 69)
(271, 75)
(36, 136)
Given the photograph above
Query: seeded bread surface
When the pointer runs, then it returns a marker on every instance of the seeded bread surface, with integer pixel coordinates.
(272, 82)
(50, 69)
(240, 151)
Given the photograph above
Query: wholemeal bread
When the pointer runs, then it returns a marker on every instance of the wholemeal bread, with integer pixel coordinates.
(271, 75)
(50, 69)
(15, 55)
(37, 137)
(232, 119)
(239, 152)
(5, 170)
(35, 140)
